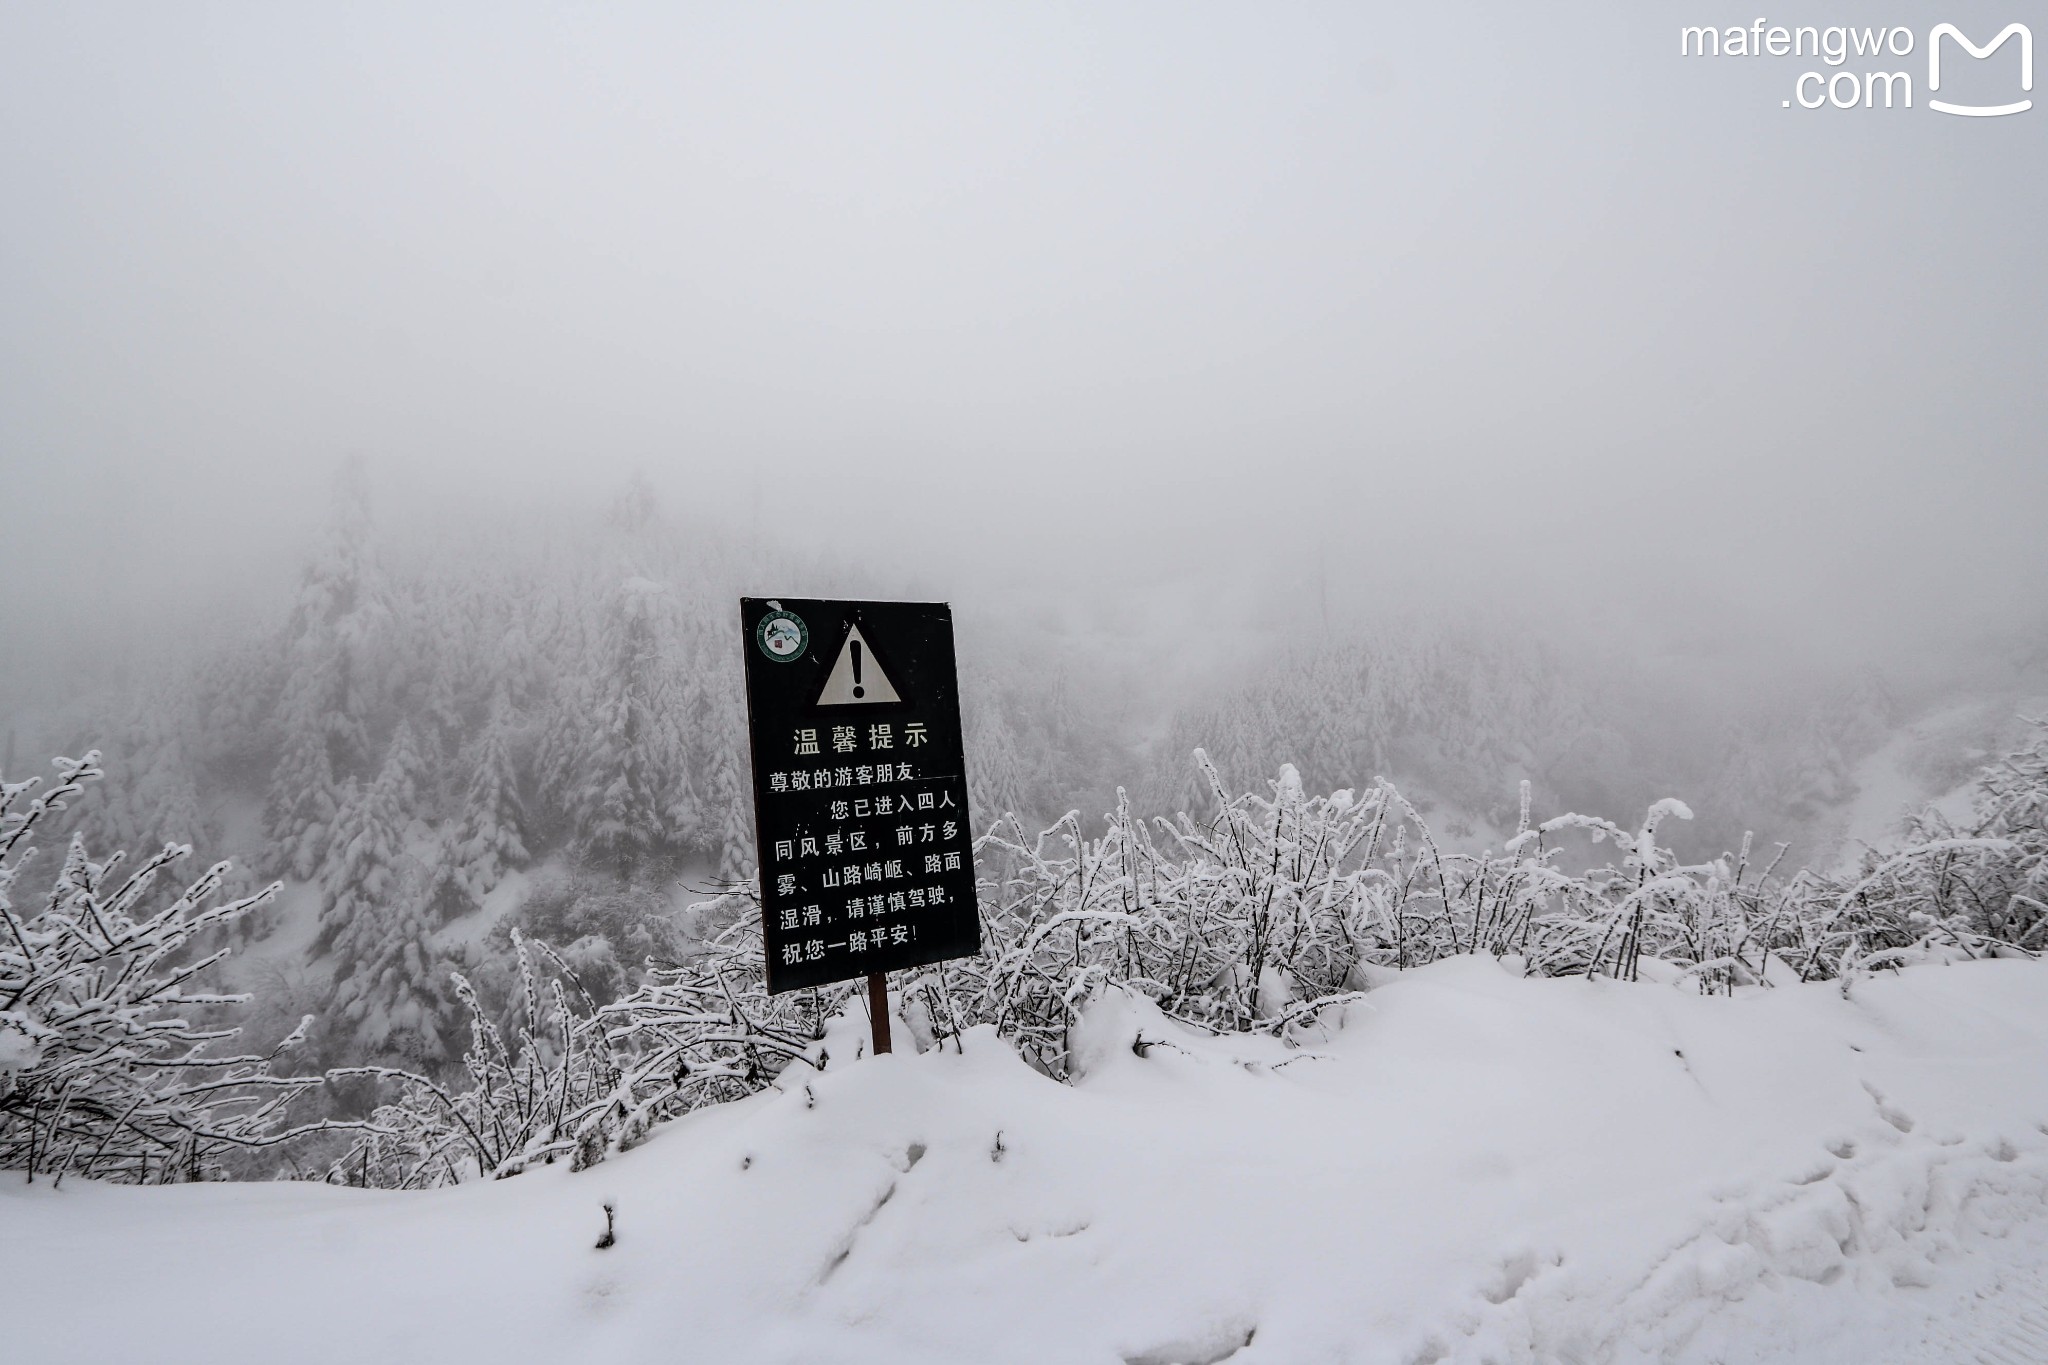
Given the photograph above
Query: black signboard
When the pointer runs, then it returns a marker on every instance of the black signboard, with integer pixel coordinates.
(860, 790)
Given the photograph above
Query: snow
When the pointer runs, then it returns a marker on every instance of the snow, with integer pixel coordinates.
(1469, 1166)
(1890, 786)
(22, 1041)
(287, 947)
(501, 900)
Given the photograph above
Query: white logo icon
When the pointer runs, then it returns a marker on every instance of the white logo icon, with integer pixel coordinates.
(1980, 110)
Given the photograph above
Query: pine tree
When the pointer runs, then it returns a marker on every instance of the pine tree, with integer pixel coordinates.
(994, 767)
(394, 1002)
(361, 877)
(411, 775)
(331, 685)
(491, 837)
(158, 796)
(339, 628)
(728, 795)
(634, 797)
(299, 814)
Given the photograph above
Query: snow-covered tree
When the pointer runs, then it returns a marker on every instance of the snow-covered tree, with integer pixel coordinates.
(107, 1067)
(303, 800)
(394, 999)
(723, 760)
(157, 800)
(333, 653)
(631, 795)
(995, 778)
(340, 629)
(490, 839)
(376, 925)
(411, 778)
(362, 873)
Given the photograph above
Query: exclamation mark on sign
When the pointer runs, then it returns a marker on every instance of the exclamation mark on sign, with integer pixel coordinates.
(858, 690)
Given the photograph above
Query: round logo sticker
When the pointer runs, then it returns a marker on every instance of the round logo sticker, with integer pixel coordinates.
(782, 636)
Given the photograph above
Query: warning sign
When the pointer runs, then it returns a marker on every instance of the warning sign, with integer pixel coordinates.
(856, 679)
(860, 788)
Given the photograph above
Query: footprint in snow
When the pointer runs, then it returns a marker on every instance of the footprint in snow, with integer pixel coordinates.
(1896, 1117)
(1210, 1347)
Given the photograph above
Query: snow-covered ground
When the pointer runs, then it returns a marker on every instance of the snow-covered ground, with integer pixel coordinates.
(1470, 1166)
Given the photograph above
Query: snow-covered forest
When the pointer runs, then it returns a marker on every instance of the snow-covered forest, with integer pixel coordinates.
(489, 896)
(452, 738)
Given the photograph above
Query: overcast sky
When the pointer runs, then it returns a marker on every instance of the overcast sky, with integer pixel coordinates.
(1512, 304)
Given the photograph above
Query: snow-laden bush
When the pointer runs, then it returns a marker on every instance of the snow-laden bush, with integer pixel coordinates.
(580, 1080)
(1255, 918)
(107, 1068)
(1278, 906)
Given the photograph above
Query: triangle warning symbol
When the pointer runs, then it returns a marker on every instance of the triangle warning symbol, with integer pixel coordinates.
(856, 679)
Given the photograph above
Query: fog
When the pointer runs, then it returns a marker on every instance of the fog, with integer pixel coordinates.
(1596, 490)
(1205, 312)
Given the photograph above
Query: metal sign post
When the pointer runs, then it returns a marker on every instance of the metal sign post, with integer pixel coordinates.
(860, 792)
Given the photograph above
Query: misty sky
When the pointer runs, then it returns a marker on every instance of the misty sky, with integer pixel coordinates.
(1514, 305)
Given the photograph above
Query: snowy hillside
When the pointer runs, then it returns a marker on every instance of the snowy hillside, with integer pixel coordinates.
(1929, 762)
(1469, 1166)
(465, 728)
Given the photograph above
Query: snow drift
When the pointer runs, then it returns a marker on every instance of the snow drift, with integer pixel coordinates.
(1468, 1165)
